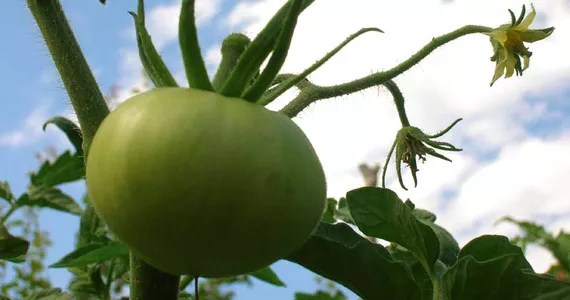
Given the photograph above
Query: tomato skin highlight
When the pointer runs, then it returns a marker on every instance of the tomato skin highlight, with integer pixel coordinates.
(201, 184)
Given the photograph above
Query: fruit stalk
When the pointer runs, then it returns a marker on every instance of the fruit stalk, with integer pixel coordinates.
(398, 100)
(148, 283)
(84, 93)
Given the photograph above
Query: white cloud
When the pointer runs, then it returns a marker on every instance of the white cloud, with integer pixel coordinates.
(30, 129)
(523, 180)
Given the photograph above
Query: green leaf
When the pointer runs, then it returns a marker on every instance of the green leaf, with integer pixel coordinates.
(66, 168)
(328, 215)
(17, 260)
(92, 253)
(338, 253)
(196, 72)
(492, 262)
(494, 279)
(256, 53)
(424, 215)
(421, 276)
(560, 248)
(320, 295)
(50, 294)
(71, 130)
(269, 276)
(6, 192)
(502, 279)
(49, 197)
(182, 295)
(379, 213)
(448, 247)
(342, 213)
(542, 287)
(151, 60)
(91, 229)
(263, 82)
(88, 281)
(11, 247)
(488, 247)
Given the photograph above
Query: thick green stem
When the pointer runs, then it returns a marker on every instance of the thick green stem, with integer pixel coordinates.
(148, 283)
(84, 93)
(314, 93)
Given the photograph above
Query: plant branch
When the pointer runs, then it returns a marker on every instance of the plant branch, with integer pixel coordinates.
(149, 283)
(291, 81)
(313, 93)
(84, 93)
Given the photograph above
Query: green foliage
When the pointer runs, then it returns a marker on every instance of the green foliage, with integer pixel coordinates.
(22, 255)
(340, 254)
(559, 245)
(423, 260)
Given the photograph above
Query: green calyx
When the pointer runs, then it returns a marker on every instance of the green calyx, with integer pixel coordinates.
(411, 142)
(233, 47)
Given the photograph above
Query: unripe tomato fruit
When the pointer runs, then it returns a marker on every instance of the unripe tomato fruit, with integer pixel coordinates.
(201, 184)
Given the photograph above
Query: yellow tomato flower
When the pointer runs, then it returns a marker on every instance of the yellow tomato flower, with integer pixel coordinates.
(508, 44)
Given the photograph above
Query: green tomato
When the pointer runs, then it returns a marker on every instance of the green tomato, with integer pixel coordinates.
(201, 184)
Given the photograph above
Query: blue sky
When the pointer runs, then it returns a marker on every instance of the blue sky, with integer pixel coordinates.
(515, 134)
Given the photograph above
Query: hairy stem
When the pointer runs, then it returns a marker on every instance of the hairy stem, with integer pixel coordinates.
(399, 101)
(148, 283)
(84, 93)
(314, 93)
(286, 82)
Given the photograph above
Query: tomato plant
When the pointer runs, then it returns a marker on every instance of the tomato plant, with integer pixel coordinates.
(177, 164)
(205, 181)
